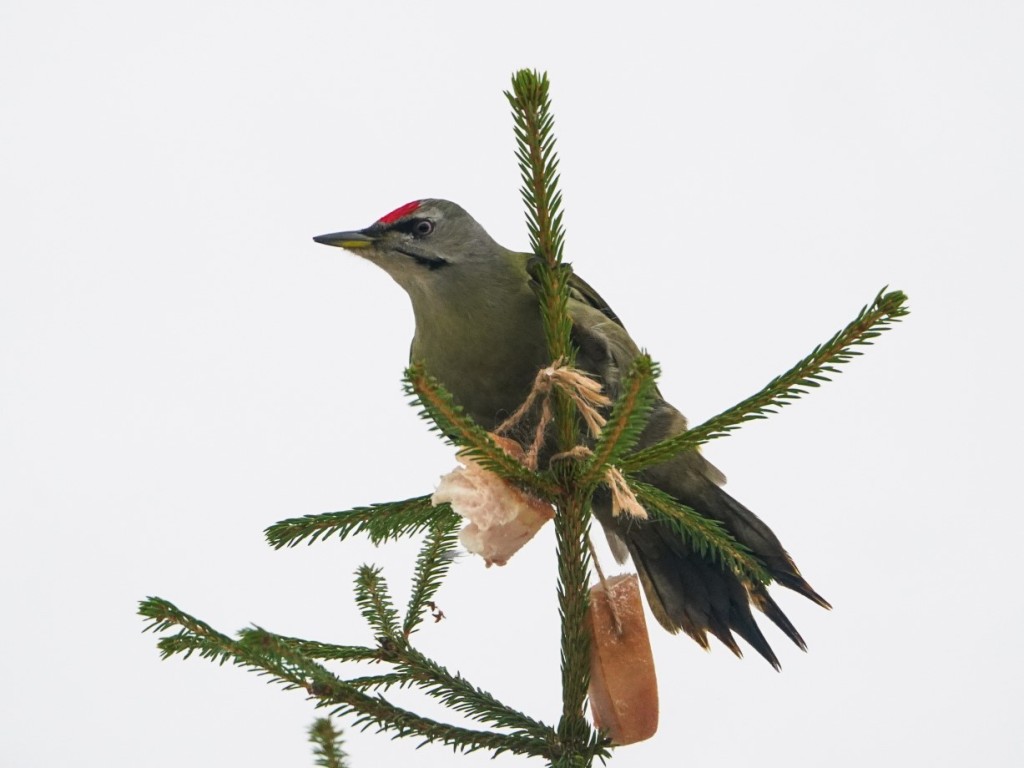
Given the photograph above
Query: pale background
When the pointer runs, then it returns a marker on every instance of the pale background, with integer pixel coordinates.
(182, 365)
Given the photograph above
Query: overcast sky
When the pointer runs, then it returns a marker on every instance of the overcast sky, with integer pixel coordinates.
(180, 365)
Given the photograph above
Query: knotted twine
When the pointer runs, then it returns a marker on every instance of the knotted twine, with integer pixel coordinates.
(588, 396)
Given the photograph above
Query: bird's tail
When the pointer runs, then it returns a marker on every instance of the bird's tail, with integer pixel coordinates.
(689, 592)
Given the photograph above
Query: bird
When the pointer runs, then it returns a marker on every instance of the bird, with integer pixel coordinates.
(478, 331)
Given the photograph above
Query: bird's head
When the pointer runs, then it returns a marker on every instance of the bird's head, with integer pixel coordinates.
(421, 242)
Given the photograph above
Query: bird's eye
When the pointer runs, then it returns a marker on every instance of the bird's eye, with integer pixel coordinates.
(423, 227)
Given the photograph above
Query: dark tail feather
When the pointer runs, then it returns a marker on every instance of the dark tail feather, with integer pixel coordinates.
(759, 596)
(793, 580)
(688, 592)
(750, 531)
(746, 627)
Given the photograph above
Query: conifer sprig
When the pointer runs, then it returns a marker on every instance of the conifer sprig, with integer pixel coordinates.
(280, 659)
(873, 320)
(538, 168)
(432, 565)
(328, 652)
(379, 682)
(538, 164)
(627, 420)
(327, 744)
(162, 615)
(706, 536)
(459, 695)
(380, 522)
(572, 527)
(374, 601)
(448, 418)
(411, 666)
(377, 712)
(284, 665)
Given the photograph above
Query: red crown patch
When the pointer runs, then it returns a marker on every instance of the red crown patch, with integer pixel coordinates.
(395, 215)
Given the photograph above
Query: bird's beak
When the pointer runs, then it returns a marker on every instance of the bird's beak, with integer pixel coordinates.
(349, 240)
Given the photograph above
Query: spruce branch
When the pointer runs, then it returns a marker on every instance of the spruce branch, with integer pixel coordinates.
(572, 528)
(627, 420)
(379, 682)
(374, 601)
(440, 408)
(380, 522)
(329, 652)
(706, 536)
(538, 164)
(295, 671)
(873, 320)
(538, 168)
(277, 657)
(377, 712)
(411, 667)
(185, 643)
(195, 635)
(458, 694)
(531, 110)
(327, 744)
(162, 615)
(432, 564)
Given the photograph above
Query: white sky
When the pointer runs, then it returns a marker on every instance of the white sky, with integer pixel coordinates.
(180, 365)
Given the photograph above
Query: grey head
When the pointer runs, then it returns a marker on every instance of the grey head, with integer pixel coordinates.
(422, 243)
